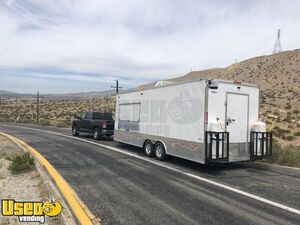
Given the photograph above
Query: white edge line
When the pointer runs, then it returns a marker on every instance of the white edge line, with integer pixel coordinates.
(261, 199)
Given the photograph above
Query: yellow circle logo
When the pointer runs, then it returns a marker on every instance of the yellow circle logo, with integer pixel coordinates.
(52, 208)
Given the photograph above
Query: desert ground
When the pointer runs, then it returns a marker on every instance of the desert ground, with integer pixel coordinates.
(23, 186)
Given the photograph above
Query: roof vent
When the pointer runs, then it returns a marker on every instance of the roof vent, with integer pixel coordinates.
(162, 83)
(212, 84)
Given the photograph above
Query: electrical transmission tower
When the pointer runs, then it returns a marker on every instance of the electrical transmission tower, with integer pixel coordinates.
(277, 47)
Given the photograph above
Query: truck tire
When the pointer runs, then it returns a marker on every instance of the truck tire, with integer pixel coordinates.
(159, 151)
(96, 134)
(75, 131)
(148, 148)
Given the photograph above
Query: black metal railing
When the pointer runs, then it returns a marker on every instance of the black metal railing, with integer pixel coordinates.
(260, 144)
(216, 146)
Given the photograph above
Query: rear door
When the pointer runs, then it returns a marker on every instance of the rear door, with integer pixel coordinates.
(80, 123)
(237, 117)
(86, 122)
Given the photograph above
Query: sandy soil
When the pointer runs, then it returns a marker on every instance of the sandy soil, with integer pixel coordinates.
(28, 186)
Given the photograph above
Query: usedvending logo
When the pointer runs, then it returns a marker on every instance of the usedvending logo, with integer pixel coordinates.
(30, 211)
(185, 108)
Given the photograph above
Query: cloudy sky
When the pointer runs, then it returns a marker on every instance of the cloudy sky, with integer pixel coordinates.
(60, 46)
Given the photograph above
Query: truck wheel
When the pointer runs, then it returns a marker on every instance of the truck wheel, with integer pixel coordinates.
(159, 151)
(96, 134)
(148, 148)
(75, 131)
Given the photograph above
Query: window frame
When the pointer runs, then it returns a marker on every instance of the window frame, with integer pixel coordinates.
(133, 103)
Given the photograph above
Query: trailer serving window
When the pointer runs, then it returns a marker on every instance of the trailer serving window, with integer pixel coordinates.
(130, 112)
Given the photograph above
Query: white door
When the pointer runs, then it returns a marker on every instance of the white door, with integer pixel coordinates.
(237, 117)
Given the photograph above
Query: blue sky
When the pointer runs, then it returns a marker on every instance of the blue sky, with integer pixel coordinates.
(61, 46)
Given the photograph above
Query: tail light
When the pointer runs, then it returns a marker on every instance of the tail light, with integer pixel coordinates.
(206, 118)
(104, 125)
(237, 81)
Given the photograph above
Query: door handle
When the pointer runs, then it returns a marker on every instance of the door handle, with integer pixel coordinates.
(229, 120)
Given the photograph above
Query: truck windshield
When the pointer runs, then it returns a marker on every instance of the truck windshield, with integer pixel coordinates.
(102, 116)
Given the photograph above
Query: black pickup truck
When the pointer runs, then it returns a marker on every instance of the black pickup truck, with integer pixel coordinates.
(97, 123)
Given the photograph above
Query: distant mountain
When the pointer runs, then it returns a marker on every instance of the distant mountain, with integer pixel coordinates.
(13, 94)
(90, 94)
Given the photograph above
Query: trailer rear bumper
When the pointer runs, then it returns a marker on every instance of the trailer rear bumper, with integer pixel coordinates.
(216, 147)
(260, 145)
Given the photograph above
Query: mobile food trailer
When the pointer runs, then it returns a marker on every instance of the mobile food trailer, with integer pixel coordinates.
(203, 121)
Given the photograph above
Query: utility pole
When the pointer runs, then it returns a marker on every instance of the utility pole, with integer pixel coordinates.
(117, 87)
(277, 47)
(37, 107)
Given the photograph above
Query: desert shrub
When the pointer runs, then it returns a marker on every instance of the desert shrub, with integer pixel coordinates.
(268, 122)
(63, 124)
(290, 138)
(287, 119)
(297, 133)
(296, 111)
(45, 122)
(288, 106)
(6, 119)
(25, 120)
(279, 132)
(21, 163)
(288, 155)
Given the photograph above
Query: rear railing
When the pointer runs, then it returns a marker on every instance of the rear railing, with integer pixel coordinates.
(216, 146)
(260, 144)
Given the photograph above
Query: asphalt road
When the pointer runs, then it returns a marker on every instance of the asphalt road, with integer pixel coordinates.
(122, 188)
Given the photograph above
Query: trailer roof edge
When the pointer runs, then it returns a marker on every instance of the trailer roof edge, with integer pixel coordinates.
(189, 81)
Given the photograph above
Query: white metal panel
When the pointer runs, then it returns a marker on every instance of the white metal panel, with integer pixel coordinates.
(217, 105)
(175, 111)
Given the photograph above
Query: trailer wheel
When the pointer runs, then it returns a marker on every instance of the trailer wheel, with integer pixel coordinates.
(75, 131)
(148, 148)
(96, 134)
(159, 151)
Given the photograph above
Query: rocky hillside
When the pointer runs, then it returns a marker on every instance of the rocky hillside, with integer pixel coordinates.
(278, 76)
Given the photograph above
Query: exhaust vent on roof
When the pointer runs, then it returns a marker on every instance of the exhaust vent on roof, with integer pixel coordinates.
(162, 83)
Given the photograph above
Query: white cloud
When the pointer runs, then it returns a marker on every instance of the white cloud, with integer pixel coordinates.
(140, 39)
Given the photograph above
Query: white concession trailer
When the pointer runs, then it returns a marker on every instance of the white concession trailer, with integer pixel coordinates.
(206, 121)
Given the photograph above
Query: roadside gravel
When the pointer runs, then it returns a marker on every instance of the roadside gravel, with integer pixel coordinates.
(27, 186)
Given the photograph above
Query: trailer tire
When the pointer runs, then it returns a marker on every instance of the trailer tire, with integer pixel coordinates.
(75, 131)
(159, 151)
(96, 134)
(148, 148)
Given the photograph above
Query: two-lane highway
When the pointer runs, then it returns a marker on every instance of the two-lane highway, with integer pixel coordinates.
(122, 187)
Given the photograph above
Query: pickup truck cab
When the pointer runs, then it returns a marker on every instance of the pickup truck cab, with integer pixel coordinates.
(98, 124)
